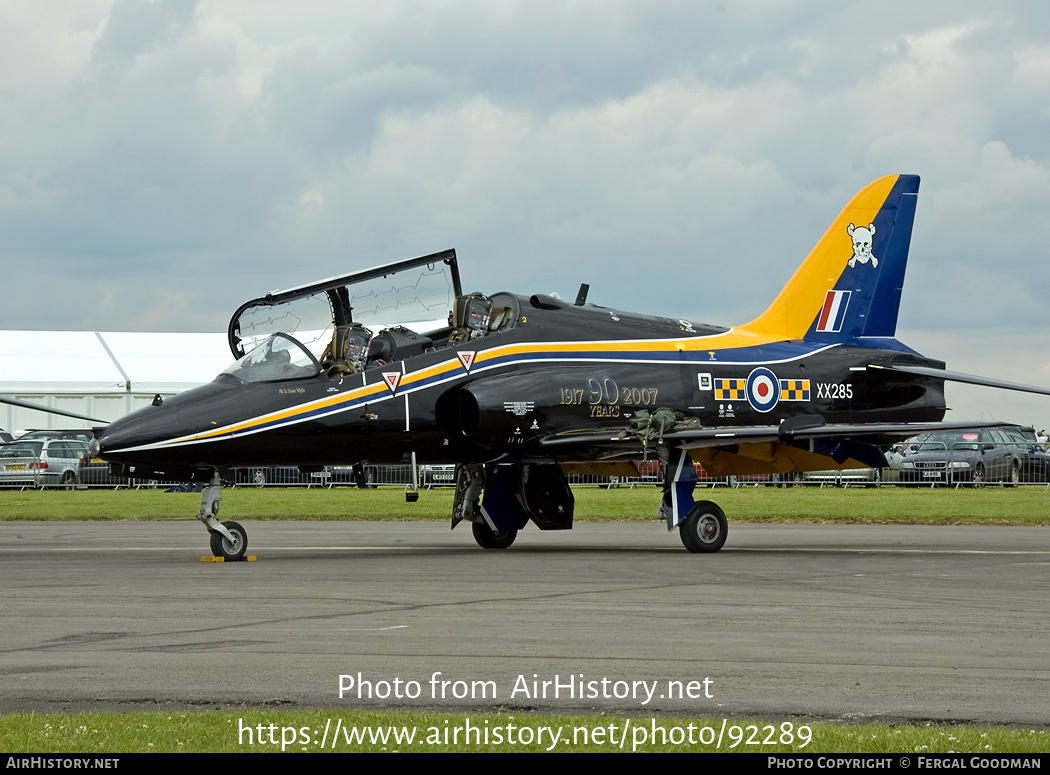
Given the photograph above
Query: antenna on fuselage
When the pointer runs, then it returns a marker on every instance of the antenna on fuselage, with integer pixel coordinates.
(581, 297)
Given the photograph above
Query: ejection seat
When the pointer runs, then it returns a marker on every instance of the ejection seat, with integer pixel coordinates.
(471, 315)
(348, 350)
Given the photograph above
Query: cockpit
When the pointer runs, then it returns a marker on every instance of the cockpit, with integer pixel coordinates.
(278, 357)
(346, 325)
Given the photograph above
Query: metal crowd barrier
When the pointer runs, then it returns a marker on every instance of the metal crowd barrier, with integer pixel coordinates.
(934, 465)
(22, 473)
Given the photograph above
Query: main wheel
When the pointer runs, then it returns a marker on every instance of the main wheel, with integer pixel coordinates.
(221, 546)
(488, 538)
(704, 528)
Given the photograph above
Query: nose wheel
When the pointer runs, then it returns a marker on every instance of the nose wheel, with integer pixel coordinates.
(232, 547)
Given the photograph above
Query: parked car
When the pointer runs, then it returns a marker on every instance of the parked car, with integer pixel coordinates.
(976, 457)
(41, 462)
(94, 471)
(1035, 462)
(437, 476)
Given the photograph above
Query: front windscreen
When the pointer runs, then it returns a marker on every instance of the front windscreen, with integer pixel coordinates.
(278, 358)
(950, 440)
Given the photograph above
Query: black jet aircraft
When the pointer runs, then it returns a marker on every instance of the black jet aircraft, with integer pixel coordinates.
(398, 364)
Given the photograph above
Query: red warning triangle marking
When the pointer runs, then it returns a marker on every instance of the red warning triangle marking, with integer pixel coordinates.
(392, 378)
(466, 357)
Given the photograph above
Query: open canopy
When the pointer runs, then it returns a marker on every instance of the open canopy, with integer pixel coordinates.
(417, 294)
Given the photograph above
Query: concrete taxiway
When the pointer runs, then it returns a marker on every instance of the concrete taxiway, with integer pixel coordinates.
(843, 621)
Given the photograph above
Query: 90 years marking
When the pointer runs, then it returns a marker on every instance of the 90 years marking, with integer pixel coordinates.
(606, 392)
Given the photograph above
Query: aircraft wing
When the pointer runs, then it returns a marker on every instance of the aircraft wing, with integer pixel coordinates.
(788, 431)
(803, 443)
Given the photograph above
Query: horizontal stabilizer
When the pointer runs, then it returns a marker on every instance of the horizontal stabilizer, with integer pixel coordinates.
(957, 376)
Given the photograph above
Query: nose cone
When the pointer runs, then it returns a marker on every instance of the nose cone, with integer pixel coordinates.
(137, 436)
(138, 446)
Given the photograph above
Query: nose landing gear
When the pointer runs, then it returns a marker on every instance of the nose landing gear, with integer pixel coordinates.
(228, 539)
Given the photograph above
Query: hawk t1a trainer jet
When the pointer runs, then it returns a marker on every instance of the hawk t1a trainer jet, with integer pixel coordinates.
(397, 363)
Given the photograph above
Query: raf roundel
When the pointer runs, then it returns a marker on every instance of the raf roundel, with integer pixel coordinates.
(763, 389)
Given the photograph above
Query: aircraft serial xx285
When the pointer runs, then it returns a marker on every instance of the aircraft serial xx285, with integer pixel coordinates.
(397, 363)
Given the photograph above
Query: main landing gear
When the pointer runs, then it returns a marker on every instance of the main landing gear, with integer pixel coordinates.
(499, 500)
(702, 525)
(470, 482)
(228, 539)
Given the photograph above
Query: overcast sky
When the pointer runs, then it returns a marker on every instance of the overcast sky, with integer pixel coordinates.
(162, 162)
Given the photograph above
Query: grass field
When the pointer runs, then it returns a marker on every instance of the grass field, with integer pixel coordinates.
(362, 731)
(991, 505)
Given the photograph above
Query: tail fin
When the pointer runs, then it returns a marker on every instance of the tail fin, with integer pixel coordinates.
(850, 284)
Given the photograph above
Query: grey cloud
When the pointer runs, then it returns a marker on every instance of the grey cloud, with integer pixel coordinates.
(136, 27)
(677, 156)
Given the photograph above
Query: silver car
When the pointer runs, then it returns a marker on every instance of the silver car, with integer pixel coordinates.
(41, 462)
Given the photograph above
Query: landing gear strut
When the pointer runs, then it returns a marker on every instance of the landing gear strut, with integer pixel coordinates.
(499, 500)
(228, 539)
(470, 482)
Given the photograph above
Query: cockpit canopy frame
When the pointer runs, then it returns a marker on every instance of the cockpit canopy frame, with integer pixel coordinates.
(336, 298)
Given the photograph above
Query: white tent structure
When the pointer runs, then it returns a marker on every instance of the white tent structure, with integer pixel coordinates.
(99, 374)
